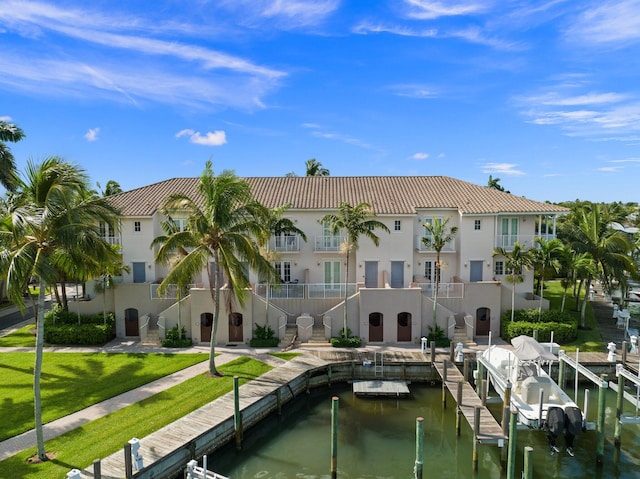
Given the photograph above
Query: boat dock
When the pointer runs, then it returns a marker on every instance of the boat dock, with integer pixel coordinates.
(490, 432)
(381, 387)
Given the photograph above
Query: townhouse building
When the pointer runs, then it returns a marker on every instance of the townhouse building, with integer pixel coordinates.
(390, 289)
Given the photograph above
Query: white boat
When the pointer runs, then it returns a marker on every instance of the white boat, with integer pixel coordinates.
(540, 402)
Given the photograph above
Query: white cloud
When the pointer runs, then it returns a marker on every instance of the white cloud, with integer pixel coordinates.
(215, 138)
(320, 132)
(283, 14)
(502, 168)
(607, 22)
(5, 118)
(415, 91)
(609, 169)
(430, 10)
(92, 134)
(420, 156)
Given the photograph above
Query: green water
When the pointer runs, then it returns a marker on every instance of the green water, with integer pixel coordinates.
(376, 439)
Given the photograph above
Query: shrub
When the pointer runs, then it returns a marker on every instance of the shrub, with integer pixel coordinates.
(176, 337)
(263, 337)
(264, 343)
(83, 334)
(563, 325)
(354, 342)
(437, 334)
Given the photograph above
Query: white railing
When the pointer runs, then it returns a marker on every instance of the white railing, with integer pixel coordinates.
(450, 247)
(326, 322)
(170, 292)
(144, 328)
(280, 291)
(328, 243)
(194, 471)
(451, 326)
(162, 326)
(113, 240)
(445, 290)
(526, 241)
(305, 291)
(285, 243)
(330, 290)
(282, 327)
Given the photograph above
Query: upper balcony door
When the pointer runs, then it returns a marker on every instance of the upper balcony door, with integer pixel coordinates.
(508, 232)
(332, 274)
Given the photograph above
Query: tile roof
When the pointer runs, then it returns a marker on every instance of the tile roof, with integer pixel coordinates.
(386, 195)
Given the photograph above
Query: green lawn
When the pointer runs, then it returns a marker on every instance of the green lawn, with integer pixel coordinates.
(73, 381)
(589, 339)
(105, 436)
(22, 337)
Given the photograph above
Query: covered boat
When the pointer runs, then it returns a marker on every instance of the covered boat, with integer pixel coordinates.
(533, 392)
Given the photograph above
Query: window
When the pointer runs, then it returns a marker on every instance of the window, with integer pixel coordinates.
(137, 226)
(499, 268)
(428, 270)
(477, 224)
(284, 271)
(431, 221)
(180, 223)
(396, 225)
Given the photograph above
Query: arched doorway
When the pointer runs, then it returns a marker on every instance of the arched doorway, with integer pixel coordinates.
(404, 326)
(131, 324)
(483, 321)
(206, 324)
(236, 333)
(376, 331)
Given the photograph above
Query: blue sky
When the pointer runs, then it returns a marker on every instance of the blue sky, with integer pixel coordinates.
(544, 94)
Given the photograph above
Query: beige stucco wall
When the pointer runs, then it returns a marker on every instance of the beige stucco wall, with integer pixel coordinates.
(391, 302)
(137, 296)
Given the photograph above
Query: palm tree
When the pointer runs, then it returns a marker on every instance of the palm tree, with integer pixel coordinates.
(610, 249)
(51, 231)
(354, 221)
(517, 260)
(107, 276)
(315, 168)
(572, 266)
(8, 132)
(221, 232)
(438, 238)
(545, 257)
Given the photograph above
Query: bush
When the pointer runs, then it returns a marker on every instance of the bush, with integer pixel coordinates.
(176, 337)
(61, 327)
(437, 334)
(264, 343)
(263, 337)
(563, 325)
(341, 342)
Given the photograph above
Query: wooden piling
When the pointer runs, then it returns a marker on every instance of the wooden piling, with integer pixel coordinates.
(485, 388)
(329, 375)
(128, 461)
(511, 454)
(452, 352)
(624, 352)
(505, 431)
(528, 462)
(432, 347)
(237, 414)
(334, 437)
(479, 379)
(476, 433)
(459, 414)
(419, 448)
(97, 469)
(617, 435)
(465, 369)
(561, 374)
(602, 399)
(444, 384)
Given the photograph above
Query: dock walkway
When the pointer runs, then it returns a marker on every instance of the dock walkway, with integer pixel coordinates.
(490, 431)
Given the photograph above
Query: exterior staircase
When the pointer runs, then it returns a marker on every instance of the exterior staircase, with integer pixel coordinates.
(317, 337)
(289, 335)
(152, 339)
(460, 336)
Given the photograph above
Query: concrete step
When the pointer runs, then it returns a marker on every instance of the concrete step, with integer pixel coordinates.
(152, 339)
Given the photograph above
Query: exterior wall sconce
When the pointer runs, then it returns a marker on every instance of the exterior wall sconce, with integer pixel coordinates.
(360, 265)
(408, 265)
(318, 263)
(488, 265)
(465, 265)
(419, 263)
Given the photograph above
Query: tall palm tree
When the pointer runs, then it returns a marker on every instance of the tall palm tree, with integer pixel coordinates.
(51, 231)
(572, 264)
(221, 232)
(315, 168)
(355, 221)
(545, 258)
(610, 249)
(12, 133)
(439, 237)
(517, 260)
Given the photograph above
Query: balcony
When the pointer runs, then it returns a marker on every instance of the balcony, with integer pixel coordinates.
(285, 243)
(305, 291)
(445, 290)
(328, 243)
(421, 248)
(526, 241)
(112, 240)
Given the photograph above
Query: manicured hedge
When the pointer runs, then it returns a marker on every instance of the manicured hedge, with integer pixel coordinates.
(63, 327)
(355, 342)
(264, 343)
(176, 338)
(564, 327)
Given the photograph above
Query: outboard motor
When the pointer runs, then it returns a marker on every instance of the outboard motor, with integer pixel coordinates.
(554, 425)
(573, 420)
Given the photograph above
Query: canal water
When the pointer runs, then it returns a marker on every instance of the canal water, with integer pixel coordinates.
(376, 440)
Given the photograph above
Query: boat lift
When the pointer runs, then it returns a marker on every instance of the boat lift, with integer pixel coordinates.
(194, 471)
(621, 419)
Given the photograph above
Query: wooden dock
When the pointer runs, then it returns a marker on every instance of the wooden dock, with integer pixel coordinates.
(490, 431)
(381, 387)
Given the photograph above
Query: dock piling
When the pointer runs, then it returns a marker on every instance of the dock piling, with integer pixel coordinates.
(479, 378)
(444, 384)
(432, 351)
(528, 463)
(237, 415)
(476, 432)
(505, 431)
(602, 399)
(419, 447)
(459, 412)
(128, 461)
(618, 430)
(511, 455)
(624, 352)
(452, 352)
(465, 369)
(334, 437)
(97, 469)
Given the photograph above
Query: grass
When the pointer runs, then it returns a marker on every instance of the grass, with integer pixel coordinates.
(22, 337)
(72, 381)
(286, 355)
(105, 436)
(589, 339)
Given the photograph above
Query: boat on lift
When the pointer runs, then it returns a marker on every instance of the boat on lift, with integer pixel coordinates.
(540, 402)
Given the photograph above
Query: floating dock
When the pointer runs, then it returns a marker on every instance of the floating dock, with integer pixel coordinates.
(381, 387)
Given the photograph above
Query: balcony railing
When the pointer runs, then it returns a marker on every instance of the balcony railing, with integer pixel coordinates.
(420, 247)
(526, 241)
(170, 292)
(328, 243)
(445, 290)
(304, 291)
(114, 240)
(285, 243)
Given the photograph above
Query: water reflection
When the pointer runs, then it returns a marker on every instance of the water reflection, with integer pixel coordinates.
(376, 439)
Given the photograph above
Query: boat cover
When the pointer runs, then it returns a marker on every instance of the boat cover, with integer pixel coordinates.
(528, 349)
